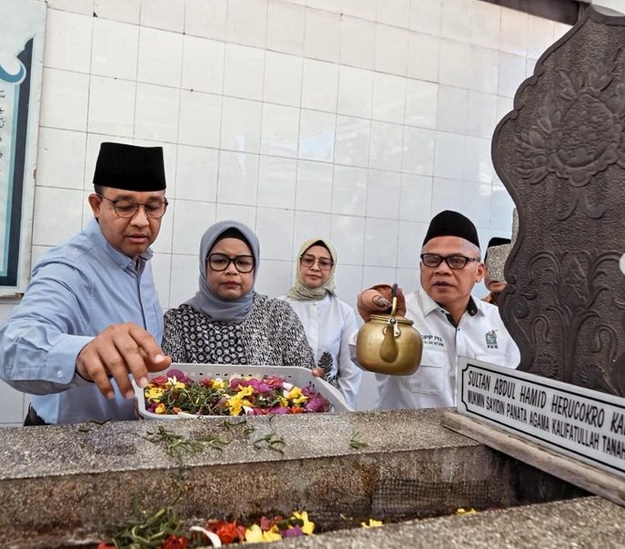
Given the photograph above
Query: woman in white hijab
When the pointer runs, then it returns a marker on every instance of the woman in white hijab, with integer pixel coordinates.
(328, 321)
(226, 321)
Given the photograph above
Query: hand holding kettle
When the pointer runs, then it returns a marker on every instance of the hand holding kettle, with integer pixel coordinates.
(378, 300)
(387, 343)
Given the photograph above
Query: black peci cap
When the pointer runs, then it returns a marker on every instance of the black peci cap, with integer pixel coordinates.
(450, 223)
(130, 167)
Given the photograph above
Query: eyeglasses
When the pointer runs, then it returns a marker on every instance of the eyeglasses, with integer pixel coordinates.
(125, 207)
(324, 263)
(220, 262)
(453, 261)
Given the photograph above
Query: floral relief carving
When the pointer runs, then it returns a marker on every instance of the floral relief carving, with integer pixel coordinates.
(569, 286)
(578, 131)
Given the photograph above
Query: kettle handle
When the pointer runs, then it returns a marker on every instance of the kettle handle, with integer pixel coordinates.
(394, 294)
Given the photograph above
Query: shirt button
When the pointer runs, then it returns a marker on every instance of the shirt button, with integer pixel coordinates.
(59, 373)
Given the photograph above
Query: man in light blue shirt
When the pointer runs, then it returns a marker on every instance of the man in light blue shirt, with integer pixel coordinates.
(90, 317)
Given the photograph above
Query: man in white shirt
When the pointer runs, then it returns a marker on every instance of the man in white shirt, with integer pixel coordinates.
(451, 322)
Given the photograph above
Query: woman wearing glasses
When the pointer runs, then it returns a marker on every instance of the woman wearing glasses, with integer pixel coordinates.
(328, 321)
(227, 322)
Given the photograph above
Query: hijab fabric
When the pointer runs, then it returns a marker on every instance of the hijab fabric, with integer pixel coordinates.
(208, 302)
(300, 292)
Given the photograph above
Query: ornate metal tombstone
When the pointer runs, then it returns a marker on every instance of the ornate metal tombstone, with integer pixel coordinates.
(561, 155)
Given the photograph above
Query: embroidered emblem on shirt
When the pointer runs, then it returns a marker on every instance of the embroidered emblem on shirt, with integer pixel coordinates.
(491, 340)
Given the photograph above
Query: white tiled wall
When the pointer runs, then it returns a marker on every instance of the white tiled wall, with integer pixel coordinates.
(355, 120)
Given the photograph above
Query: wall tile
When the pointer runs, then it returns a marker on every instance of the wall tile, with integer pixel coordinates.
(409, 242)
(244, 214)
(415, 198)
(386, 146)
(348, 235)
(449, 155)
(237, 181)
(512, 71)
(483, 69)
(352, 141)
(247, 22)
(451, 109)
(206, 18)
(394, 13)
(240, 125)
(127, 11)
(418, 151)
(349, 193)
(274, 228)
(383, 192)
(185, 273)
(200, 114)
(454, 69)
(320, 83)
(355, 92)
(55, 168)
(273, 278)
(196, 176)
(317, 135)
(111, 106)
(481, 114)
(514, 31)
(287, 38)
(76, 6)
(357, 42)
(115, 49)
(486, 19)
(49, 230)
(191, 219)
(389, 98)
(391, 50)
(283, 79)
(244, 72)
(64, 99)
(365, 9)
(421, 103)
(160, 57)
(163, 14)
(314, 187)
(161, 269)
(446, 195)
(308, 225)
(322, 35)
(476, 198)
(381, 242)
(276, 182)
(425, 16)
(68, 41)
(423, 56)
(203, 65)
(539, 36)
(280, 130)
(456, 20)
(157, 113)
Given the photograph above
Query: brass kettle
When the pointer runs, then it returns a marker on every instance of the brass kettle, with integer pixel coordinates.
(388, 344)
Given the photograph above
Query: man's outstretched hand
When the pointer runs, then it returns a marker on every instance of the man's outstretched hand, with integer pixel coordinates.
(117, 352)
(378, 300)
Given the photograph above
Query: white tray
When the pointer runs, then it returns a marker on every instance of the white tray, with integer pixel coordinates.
(301, 377)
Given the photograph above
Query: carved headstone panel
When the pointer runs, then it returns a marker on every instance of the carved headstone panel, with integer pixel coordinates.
(561, 155)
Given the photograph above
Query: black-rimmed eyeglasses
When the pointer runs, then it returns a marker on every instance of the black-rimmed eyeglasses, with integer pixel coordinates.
(125, 207)
(453, 261)
(220, 262)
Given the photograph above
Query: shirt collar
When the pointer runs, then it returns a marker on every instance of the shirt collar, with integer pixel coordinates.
(428, 305)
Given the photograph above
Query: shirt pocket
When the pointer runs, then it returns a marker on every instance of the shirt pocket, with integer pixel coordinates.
(498, 359)
(432, 377)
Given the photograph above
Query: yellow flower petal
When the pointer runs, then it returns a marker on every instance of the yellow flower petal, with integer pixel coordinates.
(308, 527)
(253, 534)
(372, 523)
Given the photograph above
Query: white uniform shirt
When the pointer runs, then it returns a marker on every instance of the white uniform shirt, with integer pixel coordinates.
(481, 335)
(329, 323)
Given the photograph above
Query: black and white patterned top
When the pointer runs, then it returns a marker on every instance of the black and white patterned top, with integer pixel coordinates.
(272, 335)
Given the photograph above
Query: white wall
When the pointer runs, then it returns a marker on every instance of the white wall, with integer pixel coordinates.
(355, 120)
